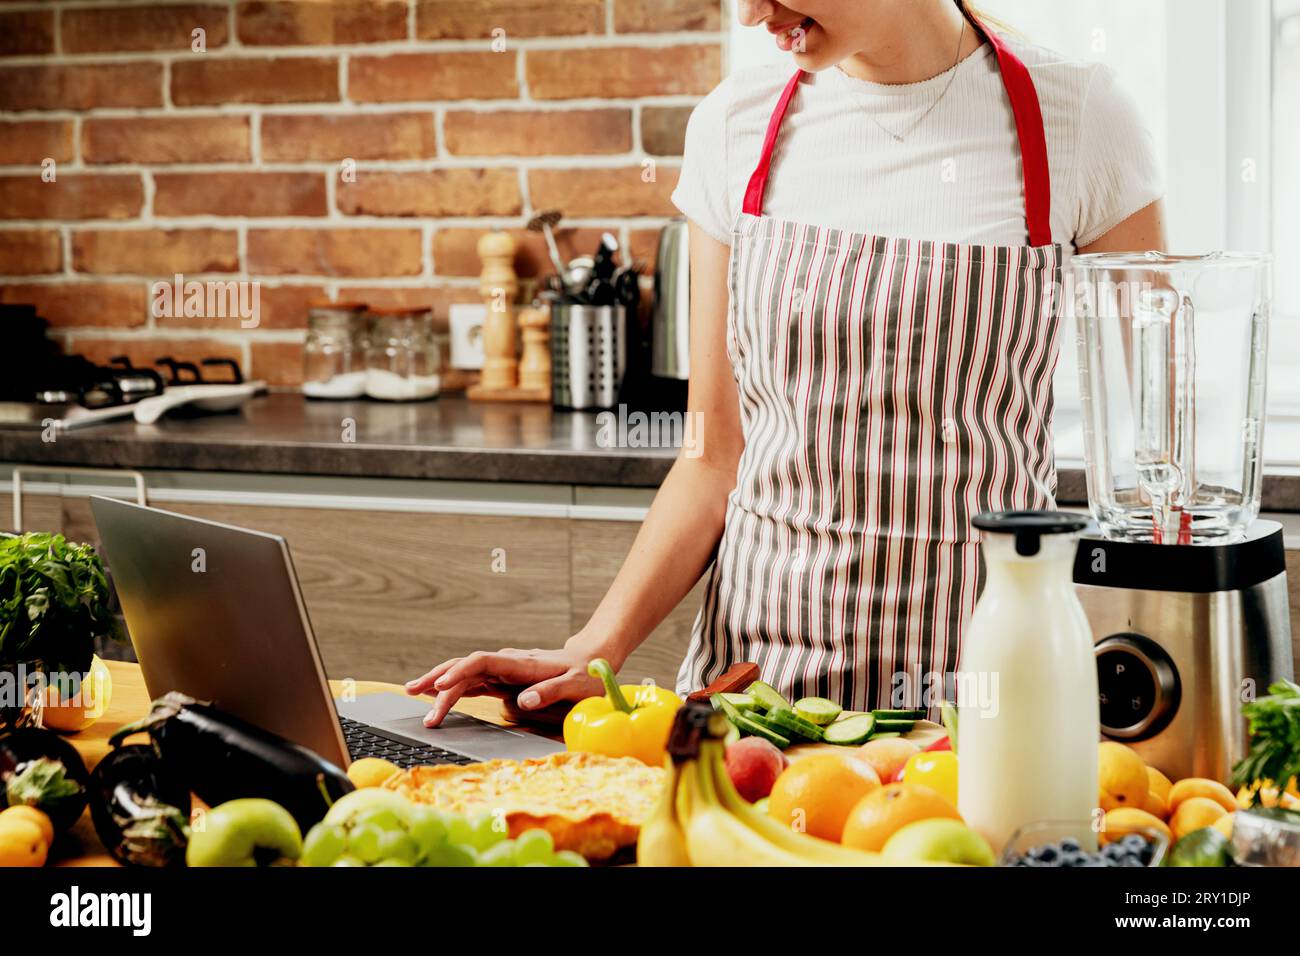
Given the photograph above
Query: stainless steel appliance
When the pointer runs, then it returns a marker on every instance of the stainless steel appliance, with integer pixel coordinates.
(1185, 590)
(670, 326)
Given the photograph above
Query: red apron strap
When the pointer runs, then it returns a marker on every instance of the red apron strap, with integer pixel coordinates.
(1029, 129)
(758, 179)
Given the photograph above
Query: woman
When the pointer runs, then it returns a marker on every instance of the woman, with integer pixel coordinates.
(876, 251)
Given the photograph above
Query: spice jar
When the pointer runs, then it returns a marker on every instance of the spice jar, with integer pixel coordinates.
(402, 361)
(334, 361)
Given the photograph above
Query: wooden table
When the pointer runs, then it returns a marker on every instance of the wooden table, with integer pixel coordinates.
(81, 847)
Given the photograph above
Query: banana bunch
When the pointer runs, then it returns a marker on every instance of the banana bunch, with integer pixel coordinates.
(700, 820)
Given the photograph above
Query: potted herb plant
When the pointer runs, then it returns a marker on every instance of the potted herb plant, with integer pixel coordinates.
(54, 602)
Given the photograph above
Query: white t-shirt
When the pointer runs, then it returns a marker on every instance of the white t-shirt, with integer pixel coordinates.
(955, 177)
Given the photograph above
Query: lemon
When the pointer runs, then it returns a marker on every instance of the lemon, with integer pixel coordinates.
(69, 715)
(371, 771)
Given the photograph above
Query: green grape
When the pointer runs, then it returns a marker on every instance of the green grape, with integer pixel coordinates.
(459, 829)
(428, 829)
(484, 832)
(398, 845)
(364, 842)
(452, 854)
(534, 846)
(502, 854)
(568, 858)
(347, 859)
(381, 817)
(324, 844)
(393, 861)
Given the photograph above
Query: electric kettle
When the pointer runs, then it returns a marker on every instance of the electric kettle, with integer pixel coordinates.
(670, 330)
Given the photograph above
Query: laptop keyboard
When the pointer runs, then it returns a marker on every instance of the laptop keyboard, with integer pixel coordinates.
(366, 741)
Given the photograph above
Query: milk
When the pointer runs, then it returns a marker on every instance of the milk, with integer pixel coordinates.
(1028, 722)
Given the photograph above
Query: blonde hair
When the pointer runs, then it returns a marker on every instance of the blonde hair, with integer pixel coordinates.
(996, 23)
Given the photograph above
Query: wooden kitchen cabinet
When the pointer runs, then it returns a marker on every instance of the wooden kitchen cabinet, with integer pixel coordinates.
(41, 512)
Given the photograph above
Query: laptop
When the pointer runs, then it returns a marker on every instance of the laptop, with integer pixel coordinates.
(215, 612)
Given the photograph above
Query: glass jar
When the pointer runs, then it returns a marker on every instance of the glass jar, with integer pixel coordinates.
(402, 360)
(334, 361)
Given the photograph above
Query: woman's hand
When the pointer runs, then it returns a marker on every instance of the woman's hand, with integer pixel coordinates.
(538, 677)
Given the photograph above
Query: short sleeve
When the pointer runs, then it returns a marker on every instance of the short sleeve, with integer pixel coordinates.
(1118, 170)
(701, 192)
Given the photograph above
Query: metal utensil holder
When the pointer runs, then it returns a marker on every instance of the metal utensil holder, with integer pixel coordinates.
(588, 354)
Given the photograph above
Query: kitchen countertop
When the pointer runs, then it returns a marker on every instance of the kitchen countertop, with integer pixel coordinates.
(449, 439)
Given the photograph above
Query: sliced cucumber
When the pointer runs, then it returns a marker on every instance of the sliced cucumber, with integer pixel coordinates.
(746, 726)
(907, 713)
(894, 726)
(817, 710)
(766, 696)
(742, 702)
(792, 723)
(892, 733)
(850, 730)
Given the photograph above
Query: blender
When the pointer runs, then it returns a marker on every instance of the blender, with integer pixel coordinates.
(1185, 588)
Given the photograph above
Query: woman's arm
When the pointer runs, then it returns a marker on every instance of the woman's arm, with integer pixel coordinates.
(673, 548)
(1143, 230)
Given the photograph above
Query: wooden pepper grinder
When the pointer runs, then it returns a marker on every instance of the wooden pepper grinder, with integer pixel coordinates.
(498, 285)
(535, 366)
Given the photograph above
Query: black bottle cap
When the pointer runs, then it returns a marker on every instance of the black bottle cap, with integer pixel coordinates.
(1030, 526)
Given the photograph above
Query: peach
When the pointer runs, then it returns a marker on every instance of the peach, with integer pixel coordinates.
(753, 765)
(887, 755)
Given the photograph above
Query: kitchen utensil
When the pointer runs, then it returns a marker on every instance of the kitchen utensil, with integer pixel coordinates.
(733, 680)
(670, 326)
(544, 222)
(587, 354)
(213, 398)
(1172, 361)
(1181, 633)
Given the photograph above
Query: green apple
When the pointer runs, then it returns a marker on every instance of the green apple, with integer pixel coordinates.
(246, 832)
(938, 841)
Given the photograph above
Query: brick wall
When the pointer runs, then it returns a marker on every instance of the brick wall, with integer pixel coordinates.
(237, 161)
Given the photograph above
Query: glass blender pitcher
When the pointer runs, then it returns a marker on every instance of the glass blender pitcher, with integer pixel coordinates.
(1172, 363)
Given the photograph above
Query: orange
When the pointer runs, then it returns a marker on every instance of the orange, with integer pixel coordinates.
(881, 813)
(816, 794)
(22, 843)
(1201, 787)
(1195, 813)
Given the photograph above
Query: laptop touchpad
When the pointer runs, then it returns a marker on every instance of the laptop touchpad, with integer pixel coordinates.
(474, 738)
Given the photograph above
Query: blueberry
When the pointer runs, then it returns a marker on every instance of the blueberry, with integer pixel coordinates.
(1048, 854)
(1133, 841)
(1130, 861)
(1114, 852)
(1073, 859)
(1070, 845)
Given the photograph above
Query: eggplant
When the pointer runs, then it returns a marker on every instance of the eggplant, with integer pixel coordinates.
(140, 809)
(221, 757)
(41, 769)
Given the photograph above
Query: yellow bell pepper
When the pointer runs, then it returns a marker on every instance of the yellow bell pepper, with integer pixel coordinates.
(936, 769)
(612, 726)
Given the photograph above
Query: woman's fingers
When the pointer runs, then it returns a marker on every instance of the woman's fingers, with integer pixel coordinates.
(444, 702)
(423, 683)
(573, 685)
(504, 668)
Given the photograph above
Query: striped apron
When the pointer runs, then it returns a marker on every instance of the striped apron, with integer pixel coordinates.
(890, 390)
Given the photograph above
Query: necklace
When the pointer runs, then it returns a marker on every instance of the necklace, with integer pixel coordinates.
(899, 136)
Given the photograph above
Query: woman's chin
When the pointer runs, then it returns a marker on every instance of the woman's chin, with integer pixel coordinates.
(813, 61)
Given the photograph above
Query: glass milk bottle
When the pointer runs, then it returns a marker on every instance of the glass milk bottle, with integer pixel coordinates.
(1028, 722)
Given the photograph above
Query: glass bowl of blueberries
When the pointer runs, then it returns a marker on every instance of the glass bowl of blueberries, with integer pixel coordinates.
(1074, 843)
